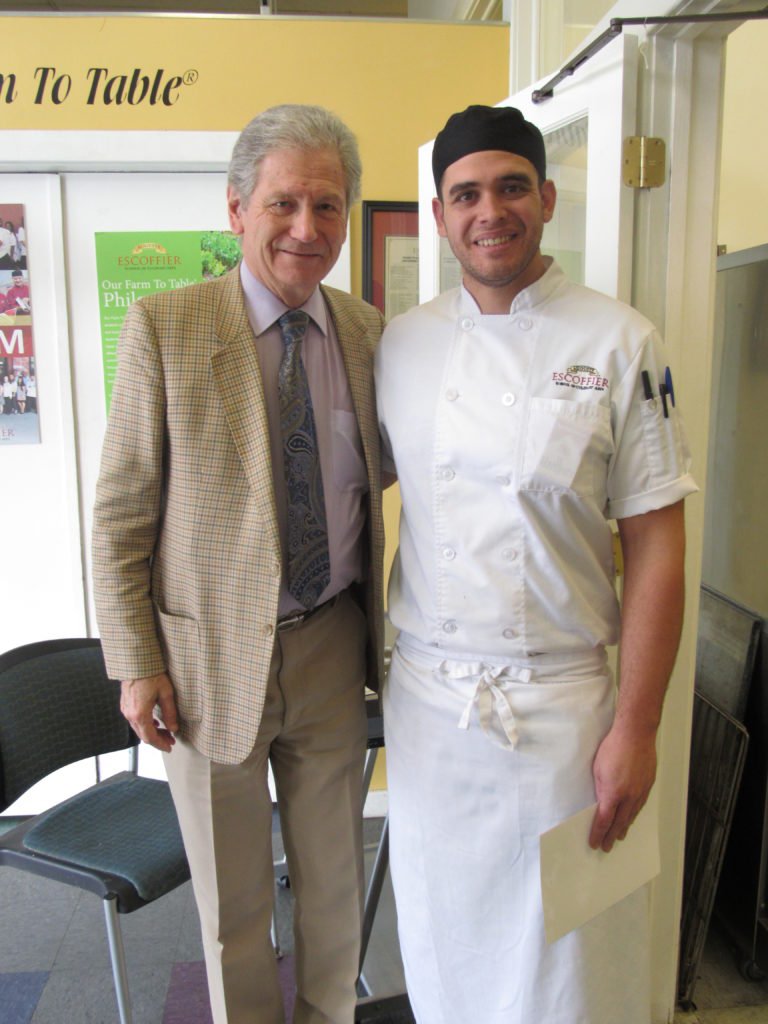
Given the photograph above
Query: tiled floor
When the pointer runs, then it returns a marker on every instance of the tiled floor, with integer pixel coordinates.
(54, 963)
(54, 960)
(55, 935)
(721, 995)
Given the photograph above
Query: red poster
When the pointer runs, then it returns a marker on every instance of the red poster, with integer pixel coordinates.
(19, 420)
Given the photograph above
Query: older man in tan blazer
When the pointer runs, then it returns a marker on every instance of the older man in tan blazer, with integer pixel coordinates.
(227, 662)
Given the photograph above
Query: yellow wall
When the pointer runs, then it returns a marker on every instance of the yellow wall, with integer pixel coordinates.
(743, 209)
(394, 83)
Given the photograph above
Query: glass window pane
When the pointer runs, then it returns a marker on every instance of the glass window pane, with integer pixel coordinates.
(565, 235)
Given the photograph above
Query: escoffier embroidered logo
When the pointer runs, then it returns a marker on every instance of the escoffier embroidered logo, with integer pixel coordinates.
(584, 378)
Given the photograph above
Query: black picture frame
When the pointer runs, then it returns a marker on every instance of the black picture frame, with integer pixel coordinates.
(382, 219)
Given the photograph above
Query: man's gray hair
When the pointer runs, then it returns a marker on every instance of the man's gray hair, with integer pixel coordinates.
(293, 126)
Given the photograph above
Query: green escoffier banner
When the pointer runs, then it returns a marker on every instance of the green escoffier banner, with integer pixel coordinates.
(131, 264)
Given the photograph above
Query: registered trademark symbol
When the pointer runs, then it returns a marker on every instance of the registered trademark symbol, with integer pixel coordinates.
(190, 77)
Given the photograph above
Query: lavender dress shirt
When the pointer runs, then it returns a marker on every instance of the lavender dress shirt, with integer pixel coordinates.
(345, 480)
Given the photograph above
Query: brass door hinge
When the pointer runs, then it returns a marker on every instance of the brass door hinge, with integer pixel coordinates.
(643, 162)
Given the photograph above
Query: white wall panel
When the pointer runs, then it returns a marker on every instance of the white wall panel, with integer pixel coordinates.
(43, 592)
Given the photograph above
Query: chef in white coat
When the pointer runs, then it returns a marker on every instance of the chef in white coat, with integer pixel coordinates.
(522, 413)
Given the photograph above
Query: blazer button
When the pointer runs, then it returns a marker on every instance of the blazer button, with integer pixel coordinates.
(269, 629)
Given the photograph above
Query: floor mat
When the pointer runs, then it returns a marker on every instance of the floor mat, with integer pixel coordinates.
(19, 995)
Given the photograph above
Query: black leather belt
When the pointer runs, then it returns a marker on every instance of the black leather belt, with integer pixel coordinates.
(292, 621)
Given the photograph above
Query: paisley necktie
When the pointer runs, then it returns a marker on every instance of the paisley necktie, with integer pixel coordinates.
(309, 564)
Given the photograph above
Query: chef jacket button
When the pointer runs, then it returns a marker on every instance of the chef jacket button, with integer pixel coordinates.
(503, 479)
(450, 626)
(524, 323)
(509, 553)
(446, 473)
(451, 394)
(466, 323)
(509, 633)
(449, 553)
(508, 398)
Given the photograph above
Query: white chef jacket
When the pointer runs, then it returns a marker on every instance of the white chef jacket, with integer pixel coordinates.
(516, 438)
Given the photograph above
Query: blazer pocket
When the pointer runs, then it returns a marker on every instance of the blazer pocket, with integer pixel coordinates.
(180, 640)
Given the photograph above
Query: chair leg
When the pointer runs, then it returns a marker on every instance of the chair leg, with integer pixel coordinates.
(276, 934)
(117, 955)
(370, 763)
(372, 897)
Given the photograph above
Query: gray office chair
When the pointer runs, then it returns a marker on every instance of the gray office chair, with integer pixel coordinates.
(119, 838)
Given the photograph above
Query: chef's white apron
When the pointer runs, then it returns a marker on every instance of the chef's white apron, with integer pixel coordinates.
(482, 757)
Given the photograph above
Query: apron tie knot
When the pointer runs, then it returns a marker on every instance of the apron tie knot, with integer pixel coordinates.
(489, 697)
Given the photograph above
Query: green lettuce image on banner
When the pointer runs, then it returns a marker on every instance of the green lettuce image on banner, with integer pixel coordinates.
(220, 251)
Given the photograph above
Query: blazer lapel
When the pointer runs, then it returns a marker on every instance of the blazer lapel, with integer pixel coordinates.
(236, 371)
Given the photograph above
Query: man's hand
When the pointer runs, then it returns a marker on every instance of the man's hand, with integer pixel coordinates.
(624, 770)
(138, 698)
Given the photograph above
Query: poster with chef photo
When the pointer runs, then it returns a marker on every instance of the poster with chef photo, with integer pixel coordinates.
(19, 414)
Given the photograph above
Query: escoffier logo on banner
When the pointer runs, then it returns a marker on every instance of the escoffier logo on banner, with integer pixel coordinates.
(148, 254)
(144, 258)
(102, 87)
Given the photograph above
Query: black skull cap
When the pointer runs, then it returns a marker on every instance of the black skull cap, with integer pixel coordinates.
(479, 128)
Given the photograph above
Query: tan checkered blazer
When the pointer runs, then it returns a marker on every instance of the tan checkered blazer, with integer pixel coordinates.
(186, 556)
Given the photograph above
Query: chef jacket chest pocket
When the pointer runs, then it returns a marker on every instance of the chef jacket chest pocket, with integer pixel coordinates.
(349, 472)
(567, 447)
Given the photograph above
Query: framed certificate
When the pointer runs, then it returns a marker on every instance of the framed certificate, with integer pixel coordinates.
(391, 256)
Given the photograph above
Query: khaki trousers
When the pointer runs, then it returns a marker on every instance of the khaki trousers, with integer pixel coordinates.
(313, 731)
